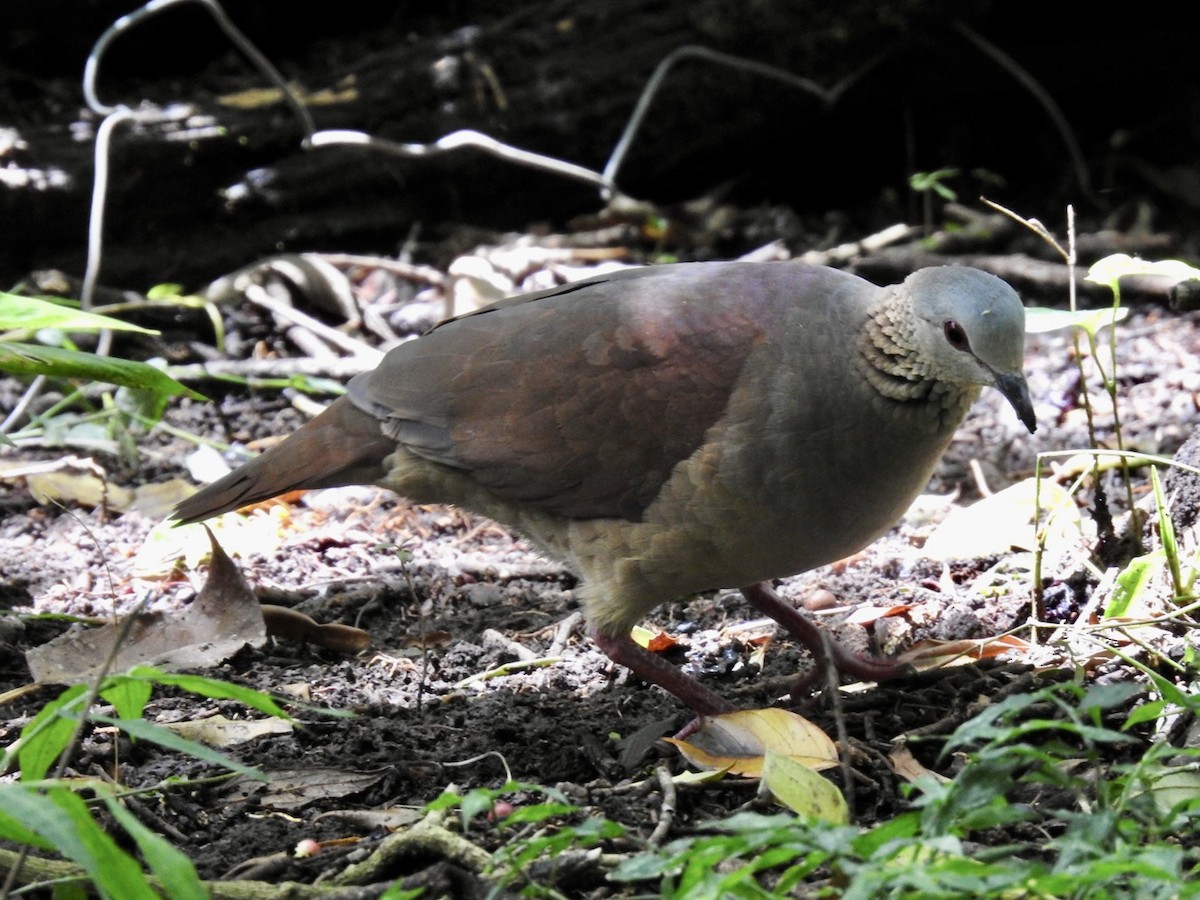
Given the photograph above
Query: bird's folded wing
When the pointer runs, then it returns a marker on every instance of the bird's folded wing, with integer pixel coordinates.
(583, 412)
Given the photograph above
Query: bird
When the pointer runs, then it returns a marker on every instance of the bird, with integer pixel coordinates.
(671, 429)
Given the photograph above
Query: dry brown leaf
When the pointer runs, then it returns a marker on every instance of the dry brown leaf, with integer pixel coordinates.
(930, 654)
(221, 731)
(868, 615)
(429, 640)
(222, 619)
(905, 765)
(293, 625)
(292, 788)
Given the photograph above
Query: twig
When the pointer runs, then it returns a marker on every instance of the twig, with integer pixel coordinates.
(31, 393)
(411, 271)
(563, 634)
(666, 809)
(466, 137)
(238, 39)
(691, 51)
(833, 696)
(1027, 81)
(494, 638)
(262, 369)
(845, 252)
(371, 356)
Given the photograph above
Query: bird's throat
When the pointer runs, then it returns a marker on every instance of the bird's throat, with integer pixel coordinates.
(892, 364)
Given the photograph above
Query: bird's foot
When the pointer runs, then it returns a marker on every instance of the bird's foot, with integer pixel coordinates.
(827, 652)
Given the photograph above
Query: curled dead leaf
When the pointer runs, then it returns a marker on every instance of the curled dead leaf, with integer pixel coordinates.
(654, 641)
(288, 623)
(931, 654)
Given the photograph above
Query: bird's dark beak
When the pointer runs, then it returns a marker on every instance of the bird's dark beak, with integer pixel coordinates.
(1016, 391)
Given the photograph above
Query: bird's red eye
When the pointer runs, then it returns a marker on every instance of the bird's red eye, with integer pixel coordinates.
(955, 335)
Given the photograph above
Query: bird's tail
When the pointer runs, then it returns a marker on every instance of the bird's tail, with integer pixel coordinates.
(343, 445)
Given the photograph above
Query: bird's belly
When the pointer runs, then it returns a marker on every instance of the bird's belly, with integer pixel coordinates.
(705, 533)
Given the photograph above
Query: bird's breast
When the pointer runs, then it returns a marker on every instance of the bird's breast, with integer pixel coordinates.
(767, 497)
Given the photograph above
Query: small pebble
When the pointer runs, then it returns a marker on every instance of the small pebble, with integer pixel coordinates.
(819, 599)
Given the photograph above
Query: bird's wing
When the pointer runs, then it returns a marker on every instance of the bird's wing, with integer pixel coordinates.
(581, 400)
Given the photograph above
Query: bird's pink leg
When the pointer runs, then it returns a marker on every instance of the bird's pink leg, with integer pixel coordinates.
(623, 650)
(825, 651)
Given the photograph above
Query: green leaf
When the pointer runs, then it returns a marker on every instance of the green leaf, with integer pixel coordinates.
(1150, 711)
(1166, 533)
(128, 695)
(1132, 581)
(537, 812)
(13, 829)
(146, 406)
(171, 866)
(1108, 270)
(644, 867)
(475, 803)
(926, 181)
(165, 291)
(34, 359)
(63, 819)
(396, 892)
(213, 688)
(1166, 528)
(32, 314)
(944, 192)
(1040, 319)
(46, 736)
(887, 834)
(308, 384)
(1173, 694)
(802, 790)
(445, 800)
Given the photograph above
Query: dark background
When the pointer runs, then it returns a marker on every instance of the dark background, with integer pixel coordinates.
(1125, 82)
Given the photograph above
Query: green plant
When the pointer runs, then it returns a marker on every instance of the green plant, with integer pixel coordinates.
(536, 832)
(48, 811)
(927, 184)
(35, 343)
(23, 317)
(1096, 830)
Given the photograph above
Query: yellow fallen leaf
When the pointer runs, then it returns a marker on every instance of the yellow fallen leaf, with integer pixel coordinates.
(654, 641)
(802, 790)
(82, 488)
(738, 741)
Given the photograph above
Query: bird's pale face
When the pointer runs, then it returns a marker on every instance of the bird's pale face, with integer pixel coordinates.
(971, 329)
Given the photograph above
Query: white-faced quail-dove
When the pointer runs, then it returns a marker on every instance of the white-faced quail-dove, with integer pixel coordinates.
(673, 429)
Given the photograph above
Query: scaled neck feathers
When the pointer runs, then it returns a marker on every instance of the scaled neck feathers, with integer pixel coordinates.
(897, 368)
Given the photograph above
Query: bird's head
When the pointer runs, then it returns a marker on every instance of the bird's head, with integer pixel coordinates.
(970, 326)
